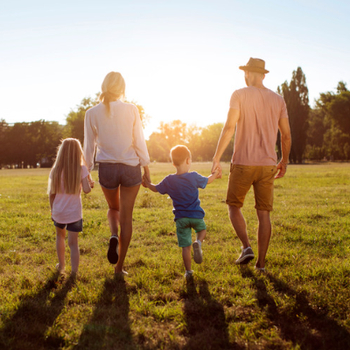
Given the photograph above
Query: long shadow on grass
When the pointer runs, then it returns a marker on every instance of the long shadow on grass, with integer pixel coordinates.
(109, 326)
(303, 325)
(205, 317)
(36, 313)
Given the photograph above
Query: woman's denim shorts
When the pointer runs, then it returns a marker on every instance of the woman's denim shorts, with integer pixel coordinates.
(112, 175)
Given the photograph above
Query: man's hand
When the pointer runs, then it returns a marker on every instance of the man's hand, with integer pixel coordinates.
(281, 170)
(216, 168)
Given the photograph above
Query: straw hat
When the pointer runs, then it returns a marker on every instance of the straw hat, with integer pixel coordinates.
(255, 65)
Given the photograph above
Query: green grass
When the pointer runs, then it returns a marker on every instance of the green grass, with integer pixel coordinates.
(301, 303)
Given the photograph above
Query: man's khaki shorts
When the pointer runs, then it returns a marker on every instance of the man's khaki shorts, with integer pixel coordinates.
(242, 177)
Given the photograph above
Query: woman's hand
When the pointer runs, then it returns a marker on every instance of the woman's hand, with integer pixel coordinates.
(146, 178)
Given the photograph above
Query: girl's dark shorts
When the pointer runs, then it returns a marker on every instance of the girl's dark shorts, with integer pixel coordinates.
(73, 227)
(112, 175)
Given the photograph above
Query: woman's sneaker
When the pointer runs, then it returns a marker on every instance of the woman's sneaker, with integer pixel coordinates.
(246, 255)
(197, 252)
(112, 253)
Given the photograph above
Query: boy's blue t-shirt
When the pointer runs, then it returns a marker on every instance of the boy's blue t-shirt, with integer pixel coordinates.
(183, 190)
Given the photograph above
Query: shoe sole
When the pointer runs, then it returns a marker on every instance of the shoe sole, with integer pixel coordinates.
(197, 254)
(245, 260)
(112, 253)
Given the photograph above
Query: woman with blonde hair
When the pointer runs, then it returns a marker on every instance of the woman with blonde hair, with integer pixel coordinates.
(68, 175)
(114, 129)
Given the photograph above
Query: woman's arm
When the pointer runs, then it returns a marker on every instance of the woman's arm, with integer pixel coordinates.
(139, 140)
(146, 174)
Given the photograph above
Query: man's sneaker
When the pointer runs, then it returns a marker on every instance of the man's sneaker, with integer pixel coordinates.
(197, 252)
(112, 254)
(189, 275)
(246, 255)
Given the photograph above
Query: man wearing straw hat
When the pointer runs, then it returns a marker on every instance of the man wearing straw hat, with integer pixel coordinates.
(255, 115)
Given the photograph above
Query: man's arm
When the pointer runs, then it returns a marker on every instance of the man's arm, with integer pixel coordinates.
(286, 143)
(225, 137)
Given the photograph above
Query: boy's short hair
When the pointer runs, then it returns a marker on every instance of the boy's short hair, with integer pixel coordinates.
(179, 154)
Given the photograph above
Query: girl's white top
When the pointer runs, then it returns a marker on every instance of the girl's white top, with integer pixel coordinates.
(117, 138)
(67, 208)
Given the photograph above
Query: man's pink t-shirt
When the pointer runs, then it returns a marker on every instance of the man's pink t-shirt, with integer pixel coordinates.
(67, 208)
(256, 130)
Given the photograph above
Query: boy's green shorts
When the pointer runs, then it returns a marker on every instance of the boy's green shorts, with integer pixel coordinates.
(184, 228)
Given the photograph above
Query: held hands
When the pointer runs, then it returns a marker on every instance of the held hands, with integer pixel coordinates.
(281, 169)
(91, 181)
(217, 173)
(216, 169)
(145, 181)
(146, 178)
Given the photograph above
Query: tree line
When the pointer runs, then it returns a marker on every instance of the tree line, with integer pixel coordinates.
(322, 132)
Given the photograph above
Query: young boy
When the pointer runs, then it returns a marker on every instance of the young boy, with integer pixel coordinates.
(182, 188)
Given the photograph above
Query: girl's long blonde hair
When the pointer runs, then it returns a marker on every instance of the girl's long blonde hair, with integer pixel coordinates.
(113, 88)
(67, 166)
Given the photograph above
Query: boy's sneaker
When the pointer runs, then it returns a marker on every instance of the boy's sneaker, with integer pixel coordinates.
(112, 254)
(189, 275)
(246, 255)
(197, 252)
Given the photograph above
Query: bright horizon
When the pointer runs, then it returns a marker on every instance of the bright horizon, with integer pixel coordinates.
(179, 60)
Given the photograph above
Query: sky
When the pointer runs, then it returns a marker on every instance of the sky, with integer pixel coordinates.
(179, 58)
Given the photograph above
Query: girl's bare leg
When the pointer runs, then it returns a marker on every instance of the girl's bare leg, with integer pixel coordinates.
(60, 247)
(74, 250)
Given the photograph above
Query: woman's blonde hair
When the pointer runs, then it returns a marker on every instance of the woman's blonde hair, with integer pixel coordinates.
(67, 167)
(113, 88)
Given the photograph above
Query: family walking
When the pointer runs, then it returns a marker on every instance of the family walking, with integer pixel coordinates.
(113, 137)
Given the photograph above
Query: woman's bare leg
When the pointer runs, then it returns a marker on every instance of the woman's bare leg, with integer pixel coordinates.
(112, 198)
(127, 201)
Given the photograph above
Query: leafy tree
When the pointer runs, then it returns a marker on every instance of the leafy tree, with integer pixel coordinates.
(296, 96)
(36, 143)
(315, 149)
(201, 141)
(158, 148)
(75, 119)
(332, 123)
(168, 136)
(209, 138)
(3, 142)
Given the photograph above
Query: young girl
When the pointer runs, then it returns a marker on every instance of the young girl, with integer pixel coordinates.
(68, 175)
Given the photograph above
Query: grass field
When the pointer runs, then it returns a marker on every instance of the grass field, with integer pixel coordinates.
(303, 302)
